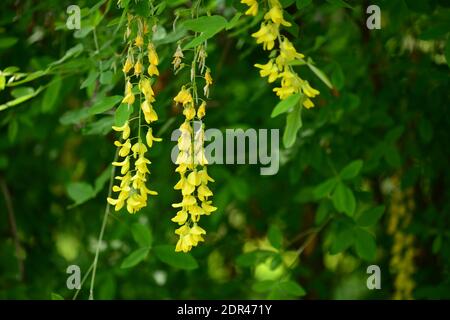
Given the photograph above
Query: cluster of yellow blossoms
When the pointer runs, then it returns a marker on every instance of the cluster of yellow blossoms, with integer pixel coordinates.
(191, 161)
(280, 67)
(403, 251)
(132, 189)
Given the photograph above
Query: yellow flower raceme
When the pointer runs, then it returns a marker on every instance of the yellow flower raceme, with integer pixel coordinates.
(280, 66)
(191, 165)
(132, 190)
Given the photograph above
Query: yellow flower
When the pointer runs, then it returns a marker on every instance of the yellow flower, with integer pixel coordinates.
(185, 242)
(149, 138)
(208, 208)
(152, 55)
(287, 53)
(125, 164)
(141, 165)
(284, 92)
(178, 55)
(152, 70)
(135, 203)
(308, 103)
(308, 90)
(208, 81)
(276, 15)
(201, 110)
(184, 96)
(185, 186)
(253, 4)
(146, 89)
(266, 35)
(138, 68)
(269, 69)
(129, 96)
(138, 148)
(124, 148)
(204, 192)
(149, 113)
(204, 177)
(125, 129)
(139, 41)
(128, 65)
(189, 112)
(181, 217)
(208, 78)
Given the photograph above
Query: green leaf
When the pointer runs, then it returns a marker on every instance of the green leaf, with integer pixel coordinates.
(325, 188)
(343, 239)
(249, 259)
(74, 116)
(106, 77)
(291, 288)
(122, 114)
(233, 22)
(365, 245)
(134, 258)
(20, 99)
(351, 170)
(337, 77)
(340, 4)
(437, 244)
(89, 80)
(181, 260)
(51, 95)
(22, 91)
(392, 156)
(99, 127)
(72, 52)
(263, 286)
(141, 235)
(447, 52)
(7, 42)
(344, 200)
(286, 105)
(105, 104)
(206, 23)
(102, 179)
(371, 216)
(2, 82)
(208, 26)
(293, 124)
(321, 75)
(302, 3)
(275, 237)
(80, 192)
(55, 296)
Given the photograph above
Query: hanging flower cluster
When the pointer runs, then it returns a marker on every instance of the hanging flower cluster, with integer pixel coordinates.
(132, 190)
(280, 67)
(402, 251)
(191, 161)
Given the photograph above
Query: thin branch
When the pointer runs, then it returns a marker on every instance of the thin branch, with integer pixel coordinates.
(102, 231)
(13, 226)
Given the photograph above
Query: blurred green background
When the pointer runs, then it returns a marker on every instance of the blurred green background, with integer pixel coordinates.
(310, 231)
